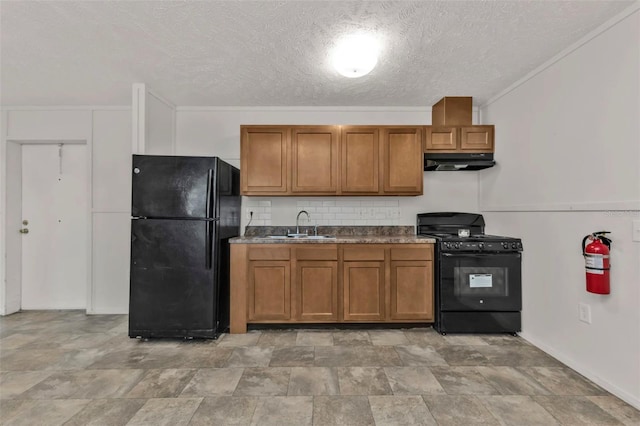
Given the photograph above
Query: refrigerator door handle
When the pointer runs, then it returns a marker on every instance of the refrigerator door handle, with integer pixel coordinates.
(209, 212)
(209, 243)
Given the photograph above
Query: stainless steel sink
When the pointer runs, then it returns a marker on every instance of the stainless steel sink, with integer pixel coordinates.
(303, 237)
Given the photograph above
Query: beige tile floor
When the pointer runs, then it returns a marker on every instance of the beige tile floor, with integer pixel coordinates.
(63, 367)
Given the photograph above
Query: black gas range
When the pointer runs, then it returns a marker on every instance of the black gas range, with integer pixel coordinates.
(478, 284)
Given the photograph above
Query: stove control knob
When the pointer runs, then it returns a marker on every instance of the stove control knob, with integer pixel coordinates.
(505, 245)
(481, 246)
(457, 245)
(514, 245)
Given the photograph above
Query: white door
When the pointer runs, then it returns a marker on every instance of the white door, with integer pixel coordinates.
(54, 202)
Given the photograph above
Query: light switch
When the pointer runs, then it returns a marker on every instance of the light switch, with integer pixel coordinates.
(636, 230)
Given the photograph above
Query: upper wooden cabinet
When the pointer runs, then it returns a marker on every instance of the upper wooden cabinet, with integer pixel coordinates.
(476, 138)
(314, 159)
(331, 160)
(402, 160)
(359, 164)
(451, 139)
(452, 111)
(451, 130)
(263, 160)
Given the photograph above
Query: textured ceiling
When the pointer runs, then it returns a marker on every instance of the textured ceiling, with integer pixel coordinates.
(269, 53)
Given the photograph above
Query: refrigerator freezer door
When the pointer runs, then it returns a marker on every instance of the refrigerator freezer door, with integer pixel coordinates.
(228, 203)
(173, 187)
(173, 278)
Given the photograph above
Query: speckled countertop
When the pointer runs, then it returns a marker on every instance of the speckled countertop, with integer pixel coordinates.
(342, 234)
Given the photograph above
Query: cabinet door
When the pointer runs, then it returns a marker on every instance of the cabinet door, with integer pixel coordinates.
(314, 159)
(269, 290)
(363, 287)
(476, 138)
(263, 160)
(316, 290)
(411, 290)
(359, 168)
(402, 159)
(441, 139)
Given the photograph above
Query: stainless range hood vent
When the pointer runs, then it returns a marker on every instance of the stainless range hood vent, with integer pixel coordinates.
(458, 162)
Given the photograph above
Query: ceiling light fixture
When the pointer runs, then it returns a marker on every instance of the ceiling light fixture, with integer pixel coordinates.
(355, 55)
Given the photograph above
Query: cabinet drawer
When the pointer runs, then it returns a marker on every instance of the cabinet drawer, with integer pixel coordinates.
(317, 253)
(269, 253)
(363, 253)
(412, 253)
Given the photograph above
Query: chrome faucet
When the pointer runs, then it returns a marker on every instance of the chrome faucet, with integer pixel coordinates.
(298, 218)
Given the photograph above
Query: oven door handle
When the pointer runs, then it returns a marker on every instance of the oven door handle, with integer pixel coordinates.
(511, 254)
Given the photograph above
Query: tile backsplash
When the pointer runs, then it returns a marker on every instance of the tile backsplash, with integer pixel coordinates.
(261, 211)
(330, 212)
(351, 212)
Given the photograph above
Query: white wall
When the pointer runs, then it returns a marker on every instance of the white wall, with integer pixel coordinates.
(216, 131)
(568, 143)
(25, 124)
(160, 125)
(153, 122)
(200, 132)
(108, 135)
(111, 211)
(12, 294)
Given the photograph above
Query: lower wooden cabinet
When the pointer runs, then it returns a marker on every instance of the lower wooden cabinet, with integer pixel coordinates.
(363, 290)
(289, 283)
(411, 283)
(269, 290)
(316, 288)
(411, 290)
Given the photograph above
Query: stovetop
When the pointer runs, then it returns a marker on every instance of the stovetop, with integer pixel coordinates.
(446, 227)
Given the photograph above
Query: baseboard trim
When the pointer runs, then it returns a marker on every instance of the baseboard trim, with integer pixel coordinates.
(108, 311)
(585, 371)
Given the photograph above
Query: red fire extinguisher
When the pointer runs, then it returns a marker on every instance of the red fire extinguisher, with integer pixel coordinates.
(596, 256)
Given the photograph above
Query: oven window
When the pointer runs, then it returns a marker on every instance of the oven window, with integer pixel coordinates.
(481, 281)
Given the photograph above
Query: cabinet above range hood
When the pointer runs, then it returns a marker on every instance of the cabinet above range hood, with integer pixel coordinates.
(458, 161)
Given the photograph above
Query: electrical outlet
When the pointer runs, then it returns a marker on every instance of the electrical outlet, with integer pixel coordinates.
(584, 312)
(248, 214)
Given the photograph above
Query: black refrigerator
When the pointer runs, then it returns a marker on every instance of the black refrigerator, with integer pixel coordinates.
(184, 210)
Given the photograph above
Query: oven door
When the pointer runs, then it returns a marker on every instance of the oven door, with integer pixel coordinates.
(480, 282)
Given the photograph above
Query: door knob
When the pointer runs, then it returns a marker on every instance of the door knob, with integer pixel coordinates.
(24, 231)
(25, 222)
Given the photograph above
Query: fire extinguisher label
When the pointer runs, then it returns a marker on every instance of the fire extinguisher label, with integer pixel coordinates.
(595, 261)
(595, 271)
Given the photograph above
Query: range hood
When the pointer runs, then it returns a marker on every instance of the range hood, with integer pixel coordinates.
(458, 161)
